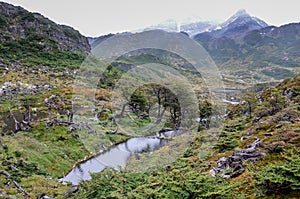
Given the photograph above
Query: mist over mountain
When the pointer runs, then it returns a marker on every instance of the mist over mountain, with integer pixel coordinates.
(197, 27)
(190, 27)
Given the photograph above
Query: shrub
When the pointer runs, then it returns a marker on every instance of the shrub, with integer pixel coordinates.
(226, 142)
(280, 178)
(3, 21)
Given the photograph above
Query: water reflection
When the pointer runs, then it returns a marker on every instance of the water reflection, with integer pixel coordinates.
(117, 156)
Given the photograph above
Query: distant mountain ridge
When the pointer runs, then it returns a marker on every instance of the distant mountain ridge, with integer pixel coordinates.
(268, 53)
(241, 21)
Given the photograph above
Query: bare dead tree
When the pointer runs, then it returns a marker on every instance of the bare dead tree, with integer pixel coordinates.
(22, 125)
(70, 115)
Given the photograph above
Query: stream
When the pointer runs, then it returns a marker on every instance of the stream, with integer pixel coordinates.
(117, 156)
(226, 90)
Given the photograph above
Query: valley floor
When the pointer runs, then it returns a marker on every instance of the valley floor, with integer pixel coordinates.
(32, 160)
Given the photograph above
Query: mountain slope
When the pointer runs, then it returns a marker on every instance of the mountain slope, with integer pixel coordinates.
(264, 54)
(17, 23)
(30, 39)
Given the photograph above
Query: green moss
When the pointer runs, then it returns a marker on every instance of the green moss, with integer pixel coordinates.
(40, 184)
(41, 148)
(296, 90)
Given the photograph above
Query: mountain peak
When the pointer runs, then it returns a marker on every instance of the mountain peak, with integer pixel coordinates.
(243, 16)
(241, 22)
(241, 12)
(237, 25)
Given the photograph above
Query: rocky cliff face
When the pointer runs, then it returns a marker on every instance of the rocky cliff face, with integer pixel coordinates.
(17, 23)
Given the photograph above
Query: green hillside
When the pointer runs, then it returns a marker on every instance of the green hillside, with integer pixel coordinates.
(30, 39)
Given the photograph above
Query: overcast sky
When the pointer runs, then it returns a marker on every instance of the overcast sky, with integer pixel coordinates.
(97, 17)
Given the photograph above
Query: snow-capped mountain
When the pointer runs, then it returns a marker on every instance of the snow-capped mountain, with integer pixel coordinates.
(243, 18)
(190, 27)
(197, 27)
(169, 25)
(239, 23)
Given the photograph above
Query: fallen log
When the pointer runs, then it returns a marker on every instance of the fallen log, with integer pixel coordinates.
(113, 131)
(56, 121)
(7, 175)
(69, 192)
(103, 109)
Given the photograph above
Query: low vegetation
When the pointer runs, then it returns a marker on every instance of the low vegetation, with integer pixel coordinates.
(274, 119)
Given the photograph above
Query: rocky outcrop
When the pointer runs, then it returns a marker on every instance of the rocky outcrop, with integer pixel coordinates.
(17, 23)
(232, 166)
